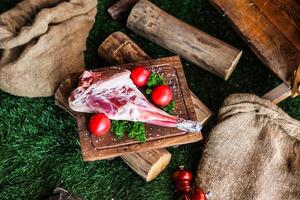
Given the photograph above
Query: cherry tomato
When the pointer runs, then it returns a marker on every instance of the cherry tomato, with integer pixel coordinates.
(162, 95)
(140, 76)
(99, 124)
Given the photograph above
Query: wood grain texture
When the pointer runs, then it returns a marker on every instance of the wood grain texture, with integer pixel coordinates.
(148, 164)
(203, 50)
(278, 94)
(120, 7)
(267, 42)
(296, 83)
(281, 19)
(292, 8)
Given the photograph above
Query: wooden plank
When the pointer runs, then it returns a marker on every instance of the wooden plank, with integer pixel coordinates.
(203, 50)
(282, 21)
(278, 94)
(267, 42)
(292, 8)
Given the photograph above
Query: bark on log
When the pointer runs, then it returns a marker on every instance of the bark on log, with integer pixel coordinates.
(118, 48)
(120, 7)
(203, 50)
(267, 42)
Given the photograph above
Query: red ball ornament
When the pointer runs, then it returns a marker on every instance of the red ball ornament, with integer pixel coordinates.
(198, 194)
(183, 180)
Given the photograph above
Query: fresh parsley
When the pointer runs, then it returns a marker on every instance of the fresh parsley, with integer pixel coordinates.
(155, 80)
(169, 108)
(135, 130)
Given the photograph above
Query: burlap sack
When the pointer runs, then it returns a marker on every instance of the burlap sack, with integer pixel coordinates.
(42, 41)
(253, 153)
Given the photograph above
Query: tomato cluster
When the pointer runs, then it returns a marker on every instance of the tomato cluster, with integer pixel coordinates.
(161, 95)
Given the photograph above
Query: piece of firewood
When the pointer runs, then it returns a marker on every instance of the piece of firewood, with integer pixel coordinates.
(269, 44)
(148, 164)
(278, 94)
(118, 48)
(120, 7)
(283, 91)
(203, 50)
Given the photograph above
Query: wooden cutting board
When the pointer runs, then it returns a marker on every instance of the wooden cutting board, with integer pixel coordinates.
(94, 148)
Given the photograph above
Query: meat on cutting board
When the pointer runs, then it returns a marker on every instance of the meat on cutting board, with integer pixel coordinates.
(113, 93)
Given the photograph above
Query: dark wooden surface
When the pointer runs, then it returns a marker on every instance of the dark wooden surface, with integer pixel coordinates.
(91, 152)
(271, 28)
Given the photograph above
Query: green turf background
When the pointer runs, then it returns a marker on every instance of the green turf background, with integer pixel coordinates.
(39, 143)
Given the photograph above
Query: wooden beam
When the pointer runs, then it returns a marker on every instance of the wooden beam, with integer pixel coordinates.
(203, 50)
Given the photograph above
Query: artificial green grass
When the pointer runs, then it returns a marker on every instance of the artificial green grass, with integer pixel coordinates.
(39, 141)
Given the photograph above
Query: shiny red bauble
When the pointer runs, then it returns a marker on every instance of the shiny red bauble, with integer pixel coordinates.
(183, 180)
(198, 194)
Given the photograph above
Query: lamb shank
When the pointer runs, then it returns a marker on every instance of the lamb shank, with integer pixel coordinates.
(113, 93)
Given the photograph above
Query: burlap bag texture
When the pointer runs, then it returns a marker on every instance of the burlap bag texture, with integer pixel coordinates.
(41, 42)
(253, 153)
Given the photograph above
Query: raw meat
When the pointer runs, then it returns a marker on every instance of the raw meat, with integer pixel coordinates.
(113, 93)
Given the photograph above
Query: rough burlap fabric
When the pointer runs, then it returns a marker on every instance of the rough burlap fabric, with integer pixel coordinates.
(253, 153)
(42, 41)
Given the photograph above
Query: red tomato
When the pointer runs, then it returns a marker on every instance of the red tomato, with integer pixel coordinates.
(162, 95)
(140, 76)
(99, 124)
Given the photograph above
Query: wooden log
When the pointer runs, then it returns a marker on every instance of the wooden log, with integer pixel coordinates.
(118, 48)
(203, 50)
(267, 42)
(148, 164)
(120, 7)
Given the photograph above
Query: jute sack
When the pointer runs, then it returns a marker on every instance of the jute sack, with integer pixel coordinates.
(42, 41)
(253, 153)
